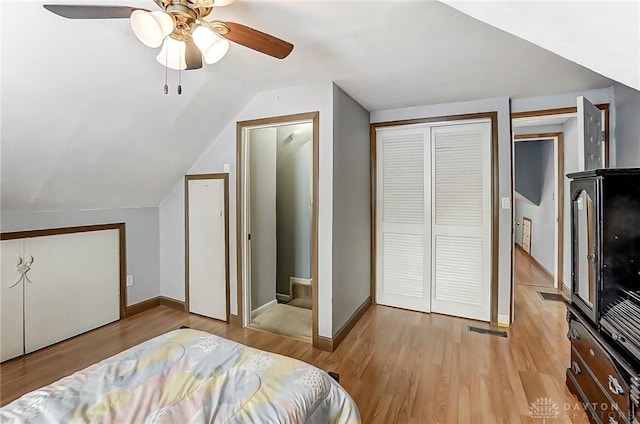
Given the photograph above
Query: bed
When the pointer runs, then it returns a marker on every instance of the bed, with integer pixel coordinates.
(189, 376)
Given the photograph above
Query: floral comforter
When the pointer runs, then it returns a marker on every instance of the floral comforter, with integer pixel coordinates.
(189, 376)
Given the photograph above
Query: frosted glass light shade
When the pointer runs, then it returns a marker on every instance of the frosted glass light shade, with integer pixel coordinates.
(172, 54)
(211, 45)
(151, 27)
(213, 3)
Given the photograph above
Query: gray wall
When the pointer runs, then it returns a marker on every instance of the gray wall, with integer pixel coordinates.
(627, 130)
(262, 163)
(142, 234)
(351, 223)
(529, 170)
(542, 215)
(293, 203)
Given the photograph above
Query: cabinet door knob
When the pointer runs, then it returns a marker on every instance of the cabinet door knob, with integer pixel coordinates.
(573, 334)
(614, 386)
(575, 367)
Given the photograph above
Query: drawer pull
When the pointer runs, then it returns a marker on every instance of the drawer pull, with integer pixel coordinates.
(615, 386)
(591, 352)
(575, 367)
(573, 334)
(618, 337)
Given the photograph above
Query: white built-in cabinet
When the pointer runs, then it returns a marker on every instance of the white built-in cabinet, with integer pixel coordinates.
(433, 217)
(57, 286)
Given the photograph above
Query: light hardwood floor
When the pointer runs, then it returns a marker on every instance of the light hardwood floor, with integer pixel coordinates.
(529, 273)
(399, 366)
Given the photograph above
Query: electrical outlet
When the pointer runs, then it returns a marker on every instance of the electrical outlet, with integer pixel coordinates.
(506, 203)
(129, 280)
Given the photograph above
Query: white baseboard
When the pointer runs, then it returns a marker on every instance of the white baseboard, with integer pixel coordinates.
(263, 308)
(283, 297)
(503, 321)
(298, 280)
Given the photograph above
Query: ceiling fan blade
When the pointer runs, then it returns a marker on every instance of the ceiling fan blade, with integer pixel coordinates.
(192, 55)
(73, 11)
(257, 40)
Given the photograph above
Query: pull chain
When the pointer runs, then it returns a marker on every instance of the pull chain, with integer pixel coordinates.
(180, 74)
(166, 71)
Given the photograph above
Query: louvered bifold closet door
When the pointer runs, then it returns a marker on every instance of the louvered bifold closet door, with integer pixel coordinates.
(461, 243)
(402, 220)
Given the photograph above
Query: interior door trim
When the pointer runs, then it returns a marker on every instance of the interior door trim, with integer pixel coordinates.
(314, 117)
(225, 178)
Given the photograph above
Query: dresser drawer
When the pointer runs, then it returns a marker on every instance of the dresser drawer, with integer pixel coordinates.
(595, 396)
(600, 363)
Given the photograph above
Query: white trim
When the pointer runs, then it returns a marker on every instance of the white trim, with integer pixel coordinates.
(283, 297)
(503, 320)
(298, 280)
(263, 308)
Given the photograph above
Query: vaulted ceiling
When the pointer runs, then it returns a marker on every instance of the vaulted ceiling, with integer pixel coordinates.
(85, 123)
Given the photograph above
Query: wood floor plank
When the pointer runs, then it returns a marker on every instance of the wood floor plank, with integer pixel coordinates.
(399, 366)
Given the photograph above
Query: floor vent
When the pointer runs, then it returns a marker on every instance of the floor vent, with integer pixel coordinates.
(552, 296)
(487, 331)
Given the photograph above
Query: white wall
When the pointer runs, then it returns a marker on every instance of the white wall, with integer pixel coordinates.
(500, 105)
(262, 189)
(627, 107)
(316, 97)
(142, 239)
(542, 216)
(351, 207)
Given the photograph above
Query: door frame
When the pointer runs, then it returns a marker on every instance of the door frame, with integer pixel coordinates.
(241, 234)
(558, 142)
(225, 178)
(605, 107)
(495, 194)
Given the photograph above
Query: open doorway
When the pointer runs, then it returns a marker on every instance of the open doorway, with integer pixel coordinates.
(564, 128)
(277, 210)
(538, 208)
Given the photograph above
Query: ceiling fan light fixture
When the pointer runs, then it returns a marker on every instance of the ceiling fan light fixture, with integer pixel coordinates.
(151, 27)
(172, 54)
(211, 45)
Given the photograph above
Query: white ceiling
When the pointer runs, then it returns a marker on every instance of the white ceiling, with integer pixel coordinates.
(603, 36)
(85, 124)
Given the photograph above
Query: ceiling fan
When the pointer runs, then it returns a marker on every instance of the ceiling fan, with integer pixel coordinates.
(180, 28)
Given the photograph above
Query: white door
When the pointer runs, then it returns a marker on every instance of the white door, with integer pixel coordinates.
(11, 318)
(590, 136)
(461, 242)
(74, 285)
(403, 219)
(207, 252)
(526, 235)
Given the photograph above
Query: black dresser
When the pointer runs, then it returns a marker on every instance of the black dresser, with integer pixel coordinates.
(604, 311)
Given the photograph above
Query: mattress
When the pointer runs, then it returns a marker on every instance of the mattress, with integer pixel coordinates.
(189, 376)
